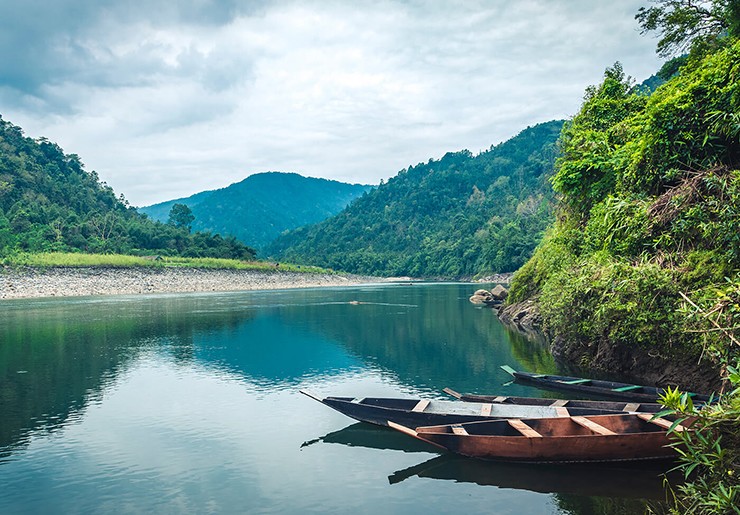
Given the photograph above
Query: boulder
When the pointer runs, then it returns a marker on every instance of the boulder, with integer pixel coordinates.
(499, 293)
(484, 298)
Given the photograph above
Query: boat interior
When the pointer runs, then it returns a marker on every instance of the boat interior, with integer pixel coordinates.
(565, 426)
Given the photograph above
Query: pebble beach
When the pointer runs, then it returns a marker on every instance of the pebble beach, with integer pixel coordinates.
(18, 283)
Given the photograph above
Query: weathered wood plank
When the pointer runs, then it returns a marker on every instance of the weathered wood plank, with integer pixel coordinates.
(421, 406)
(593, 426)
(524, 428)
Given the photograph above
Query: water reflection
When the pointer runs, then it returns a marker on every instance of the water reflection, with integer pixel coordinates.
(270, 352)
(373, 437)
(190, 403)
(638, 481)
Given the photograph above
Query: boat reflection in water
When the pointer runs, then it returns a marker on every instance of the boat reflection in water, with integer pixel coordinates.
(633, 480)
(361, 434)
(641, 480)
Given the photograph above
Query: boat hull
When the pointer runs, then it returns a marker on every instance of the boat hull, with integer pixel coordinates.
(417, 412)
(605, 438)
(564, 449)
(596, 387)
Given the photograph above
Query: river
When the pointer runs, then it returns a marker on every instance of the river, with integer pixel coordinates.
(190, 404)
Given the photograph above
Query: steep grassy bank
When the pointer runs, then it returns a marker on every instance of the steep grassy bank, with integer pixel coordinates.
(649, 217)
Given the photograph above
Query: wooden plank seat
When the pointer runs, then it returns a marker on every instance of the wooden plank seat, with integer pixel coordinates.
(524, 428)
(665, 424)
(593, 426)
(628, 388)
(576, 381)
(420, 406)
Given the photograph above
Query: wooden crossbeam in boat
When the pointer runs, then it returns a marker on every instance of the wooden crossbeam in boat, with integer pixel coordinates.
(562, 412)
(357, 400)
(524, 428)
(593, 426)
(627, 388)
(459, 430)
(485, 410)
(500, 399)
(421, 405)
(451, 392)
(632, 406)
(559, 403)
(665, 424)
(576, 381)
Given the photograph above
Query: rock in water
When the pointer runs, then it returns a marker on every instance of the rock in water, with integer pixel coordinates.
(499, 293)
(489, 298)
(482, 297)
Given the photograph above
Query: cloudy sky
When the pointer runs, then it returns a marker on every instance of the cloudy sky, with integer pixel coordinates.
(165, 98)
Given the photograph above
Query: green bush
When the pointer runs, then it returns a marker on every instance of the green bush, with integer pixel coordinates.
(602, 299)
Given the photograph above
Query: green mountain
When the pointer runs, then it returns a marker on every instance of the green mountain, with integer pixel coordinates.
(48, 202)
(459, 216)
(259, 208)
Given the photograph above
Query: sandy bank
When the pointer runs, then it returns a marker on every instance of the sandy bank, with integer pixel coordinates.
(74, 282)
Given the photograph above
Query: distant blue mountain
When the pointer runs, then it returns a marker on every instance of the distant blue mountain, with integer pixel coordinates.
(262, 206)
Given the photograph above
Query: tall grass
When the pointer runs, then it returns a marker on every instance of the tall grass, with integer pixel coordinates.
(59, 259)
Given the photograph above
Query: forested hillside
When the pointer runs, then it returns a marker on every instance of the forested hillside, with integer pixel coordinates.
(259, 208)
(48, 202)
(458, 216)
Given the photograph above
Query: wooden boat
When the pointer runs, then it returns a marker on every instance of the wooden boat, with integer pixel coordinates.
(616, 406)
(595, 387)
(623, 437)
(426, 412)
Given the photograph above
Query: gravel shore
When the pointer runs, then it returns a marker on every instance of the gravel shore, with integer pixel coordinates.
(73, 281)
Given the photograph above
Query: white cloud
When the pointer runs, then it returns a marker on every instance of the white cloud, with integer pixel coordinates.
(166, 101)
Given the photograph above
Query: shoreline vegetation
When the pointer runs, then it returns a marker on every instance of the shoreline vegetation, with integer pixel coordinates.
(74, 275)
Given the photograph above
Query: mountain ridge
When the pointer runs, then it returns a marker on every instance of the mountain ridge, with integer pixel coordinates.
(263, 205)
(458, 216)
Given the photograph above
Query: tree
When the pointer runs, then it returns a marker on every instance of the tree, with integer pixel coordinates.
(586, 171)
(181, 216)
(682, 24)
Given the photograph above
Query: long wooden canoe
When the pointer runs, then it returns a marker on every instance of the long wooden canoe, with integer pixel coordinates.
(624, 437)
(595, 387)
(426, 412)
(628, 407)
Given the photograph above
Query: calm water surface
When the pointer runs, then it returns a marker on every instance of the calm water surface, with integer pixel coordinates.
(190, 403)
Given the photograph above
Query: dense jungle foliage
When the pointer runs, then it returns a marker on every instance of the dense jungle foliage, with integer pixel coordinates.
(650, 209)
(259, 208)
(644, 256)
(48, 202)
(454, 217)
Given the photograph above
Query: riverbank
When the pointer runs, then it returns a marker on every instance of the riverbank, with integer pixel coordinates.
(606, 359)
(28, 282)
